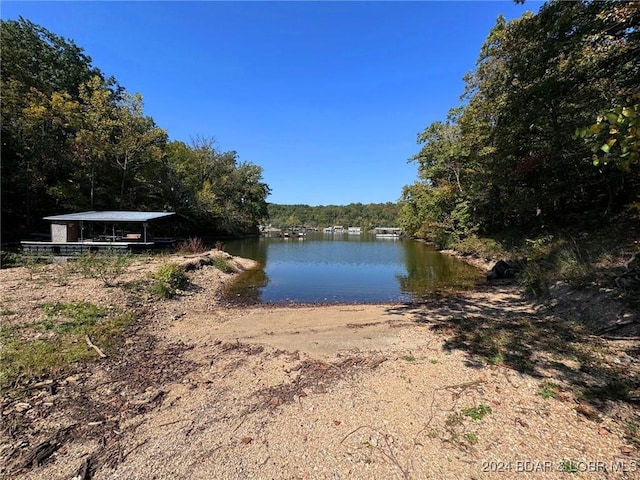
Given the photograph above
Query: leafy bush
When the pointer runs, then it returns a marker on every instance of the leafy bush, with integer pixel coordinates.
(481, 247)
(168, 279)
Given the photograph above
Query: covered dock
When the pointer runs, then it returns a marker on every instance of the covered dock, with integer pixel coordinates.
(93, 231)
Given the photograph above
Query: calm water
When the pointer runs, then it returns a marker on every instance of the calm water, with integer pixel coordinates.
(326, 268)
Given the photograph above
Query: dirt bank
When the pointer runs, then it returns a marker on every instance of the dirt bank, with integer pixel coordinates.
(482, 384)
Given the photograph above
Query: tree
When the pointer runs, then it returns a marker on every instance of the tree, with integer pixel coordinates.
(511, 154)
(137, 143)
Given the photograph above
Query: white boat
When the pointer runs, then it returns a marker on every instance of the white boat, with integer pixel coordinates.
(354, 230)
(388, 232)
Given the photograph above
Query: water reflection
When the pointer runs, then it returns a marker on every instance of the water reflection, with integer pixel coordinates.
(344, 269)
(429, 272)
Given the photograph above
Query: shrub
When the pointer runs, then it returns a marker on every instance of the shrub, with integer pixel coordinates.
(107, 266)
(482, 247)
(168, 279)
(192, 245)
(9, 259)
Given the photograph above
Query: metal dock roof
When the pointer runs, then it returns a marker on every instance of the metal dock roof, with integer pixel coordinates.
(110, 216)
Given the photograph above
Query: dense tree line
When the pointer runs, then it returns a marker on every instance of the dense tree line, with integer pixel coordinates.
(74, 139)
(547, 133)
(366, 216)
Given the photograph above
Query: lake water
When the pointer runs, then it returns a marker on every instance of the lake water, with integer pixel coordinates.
(331, 268)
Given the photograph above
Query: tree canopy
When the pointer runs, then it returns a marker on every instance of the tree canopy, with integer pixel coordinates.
(74, 139)
(366, 216)
(547, 132)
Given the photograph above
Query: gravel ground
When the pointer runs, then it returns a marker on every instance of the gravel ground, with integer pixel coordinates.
(482, 384)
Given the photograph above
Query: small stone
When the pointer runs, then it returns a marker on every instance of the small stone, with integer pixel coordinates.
(21, 406)
(627, 449)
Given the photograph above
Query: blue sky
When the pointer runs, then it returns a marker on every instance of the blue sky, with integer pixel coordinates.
(327, 97)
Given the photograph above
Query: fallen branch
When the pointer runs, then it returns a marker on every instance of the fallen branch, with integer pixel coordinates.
(463, 386)
(97, 349)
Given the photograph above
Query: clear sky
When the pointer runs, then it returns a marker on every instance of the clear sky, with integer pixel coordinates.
(327, 97)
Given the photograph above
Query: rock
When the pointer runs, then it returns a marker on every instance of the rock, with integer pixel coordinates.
(504, 269)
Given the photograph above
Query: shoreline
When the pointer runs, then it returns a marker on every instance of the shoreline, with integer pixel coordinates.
(315, 391)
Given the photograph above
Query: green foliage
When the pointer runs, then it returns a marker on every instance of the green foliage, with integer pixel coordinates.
(213, 188)
(9, 259)
(478, 412)
(106, 266)
(615, 136)
(35, 264)
(480, 247)
(366, 216)
(551, 259)
(76, 316)
(569, 466)
(76, 140)
(168, 279)
(549, 390)
(223, 265)
(471, 437)
(510, 157)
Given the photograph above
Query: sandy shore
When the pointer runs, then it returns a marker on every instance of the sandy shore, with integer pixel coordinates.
(481, 384)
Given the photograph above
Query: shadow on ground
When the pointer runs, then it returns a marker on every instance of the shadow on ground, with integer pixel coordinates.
(498, 325)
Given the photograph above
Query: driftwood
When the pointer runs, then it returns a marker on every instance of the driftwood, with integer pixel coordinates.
(44, 450)
(39, 454)
(616, 326)
(90, 343)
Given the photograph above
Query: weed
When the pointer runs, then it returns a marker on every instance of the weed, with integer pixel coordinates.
(409, 358)
(549, 390)
(223, 265)
(192, 245)
(169, 278)
(34, 264)
(477, 413)
(433, 361)
(107, 266)
(497, 359)
(568, 466)
(471, 437)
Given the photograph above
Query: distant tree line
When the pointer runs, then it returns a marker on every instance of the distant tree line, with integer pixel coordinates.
(366, 216)
(547, 133)
(74, 139)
